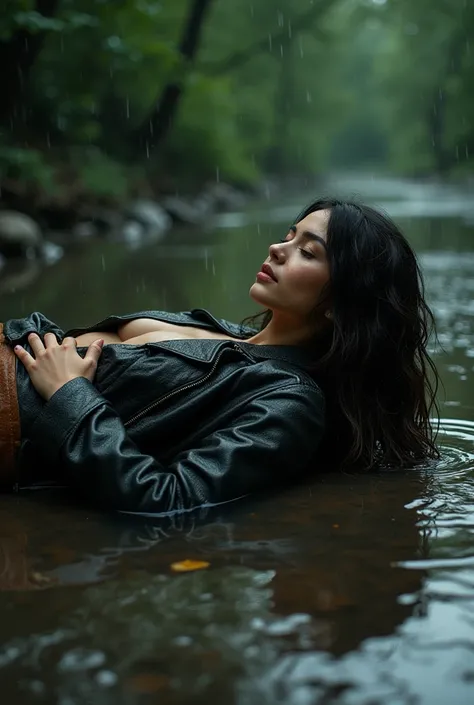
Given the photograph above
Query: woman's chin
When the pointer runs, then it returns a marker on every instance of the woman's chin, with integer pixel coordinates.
(257, 293)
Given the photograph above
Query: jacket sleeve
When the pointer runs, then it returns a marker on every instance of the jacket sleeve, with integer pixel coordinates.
(275, 434)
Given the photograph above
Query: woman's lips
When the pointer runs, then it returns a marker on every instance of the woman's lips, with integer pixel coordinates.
(264, 277)
(266, 273)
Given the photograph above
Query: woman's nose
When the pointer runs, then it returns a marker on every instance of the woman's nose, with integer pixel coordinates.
(276, 251)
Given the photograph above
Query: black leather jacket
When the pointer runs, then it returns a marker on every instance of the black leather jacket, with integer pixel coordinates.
(173, 425)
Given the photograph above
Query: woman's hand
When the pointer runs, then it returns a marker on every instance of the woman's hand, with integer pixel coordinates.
(53, 365)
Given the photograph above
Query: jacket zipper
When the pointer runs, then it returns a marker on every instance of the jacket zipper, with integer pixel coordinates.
(183, 388)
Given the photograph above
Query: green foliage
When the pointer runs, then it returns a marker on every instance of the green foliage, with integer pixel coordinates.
(424, 72)
(27, 166)
(22, 15)
(292, 89)
(104, 65)
(207, 149)
(98, 174)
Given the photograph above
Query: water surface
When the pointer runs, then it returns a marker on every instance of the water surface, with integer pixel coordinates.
(353, 590)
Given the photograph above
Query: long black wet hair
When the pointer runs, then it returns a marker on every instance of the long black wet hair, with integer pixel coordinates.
(372, 362)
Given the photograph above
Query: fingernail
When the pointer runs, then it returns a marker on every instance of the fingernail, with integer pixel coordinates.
(17, 347)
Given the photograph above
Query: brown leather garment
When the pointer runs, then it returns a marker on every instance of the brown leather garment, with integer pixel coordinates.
(9, 415)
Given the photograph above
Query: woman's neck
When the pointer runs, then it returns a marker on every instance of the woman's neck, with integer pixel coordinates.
(283, 331)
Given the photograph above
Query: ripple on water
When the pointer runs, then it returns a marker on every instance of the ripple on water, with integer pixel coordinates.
(446, 509)
(450, 289)
(456, 442)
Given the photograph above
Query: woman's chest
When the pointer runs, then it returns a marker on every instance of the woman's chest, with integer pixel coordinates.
(154, 331)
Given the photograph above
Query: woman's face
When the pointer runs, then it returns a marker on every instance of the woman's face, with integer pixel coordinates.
(296, 270)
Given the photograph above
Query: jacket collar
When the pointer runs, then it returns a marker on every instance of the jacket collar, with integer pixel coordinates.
(293, 354)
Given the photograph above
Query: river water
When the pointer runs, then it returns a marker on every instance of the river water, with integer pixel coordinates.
(354, 590)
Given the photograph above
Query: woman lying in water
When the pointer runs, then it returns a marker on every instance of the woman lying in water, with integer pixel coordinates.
(157, 412)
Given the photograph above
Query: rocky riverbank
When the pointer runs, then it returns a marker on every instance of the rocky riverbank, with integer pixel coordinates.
(34, 235)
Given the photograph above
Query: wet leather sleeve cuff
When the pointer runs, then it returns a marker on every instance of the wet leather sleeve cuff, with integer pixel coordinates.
(63, 413)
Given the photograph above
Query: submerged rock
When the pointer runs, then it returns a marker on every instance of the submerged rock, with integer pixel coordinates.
(226, 197)
(149, 215)
(215, 198)
(20, 235)
(190, 213)
(97, 221)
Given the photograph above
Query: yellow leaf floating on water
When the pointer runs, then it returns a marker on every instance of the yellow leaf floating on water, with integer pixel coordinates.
(184, 566)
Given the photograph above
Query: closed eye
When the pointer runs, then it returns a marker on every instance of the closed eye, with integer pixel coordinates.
(305, 253)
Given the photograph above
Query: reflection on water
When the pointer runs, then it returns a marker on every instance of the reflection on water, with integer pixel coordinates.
(349, 589)
(353, 590)
(310, 574)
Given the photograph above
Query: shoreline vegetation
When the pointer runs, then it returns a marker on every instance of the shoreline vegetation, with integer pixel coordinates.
(127, 118)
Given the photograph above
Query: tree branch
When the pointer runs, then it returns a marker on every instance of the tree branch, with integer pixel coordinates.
(154, 129)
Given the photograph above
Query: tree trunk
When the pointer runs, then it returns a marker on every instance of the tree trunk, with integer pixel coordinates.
(155, 128)
(17, 56)
(444, 160)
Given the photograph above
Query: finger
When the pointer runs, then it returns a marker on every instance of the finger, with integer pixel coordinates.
(69, 342)
(50, 340)
(24, 356)
(94, 351)
(36, 343)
